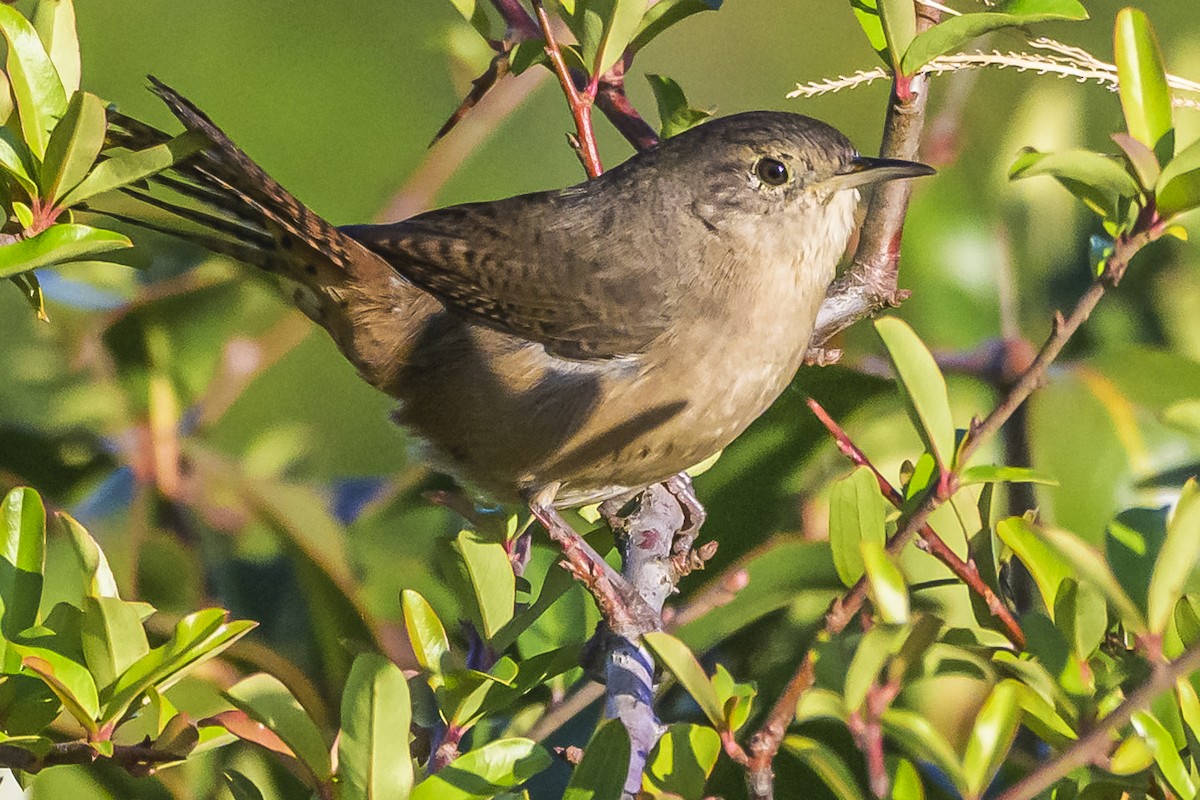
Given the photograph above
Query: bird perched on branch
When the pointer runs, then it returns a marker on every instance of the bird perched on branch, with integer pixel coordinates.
(570, 346)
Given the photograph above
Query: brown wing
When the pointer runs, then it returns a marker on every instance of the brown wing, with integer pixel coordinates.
(538, 266)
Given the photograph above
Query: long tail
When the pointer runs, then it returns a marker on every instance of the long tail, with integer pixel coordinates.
(246, 214)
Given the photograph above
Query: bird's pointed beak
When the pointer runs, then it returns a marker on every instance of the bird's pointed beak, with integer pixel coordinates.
(863, 170)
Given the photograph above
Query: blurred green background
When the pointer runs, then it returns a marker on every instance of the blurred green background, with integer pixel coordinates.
(223, 452)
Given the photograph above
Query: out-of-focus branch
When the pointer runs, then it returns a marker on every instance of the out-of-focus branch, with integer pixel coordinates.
(136, 759)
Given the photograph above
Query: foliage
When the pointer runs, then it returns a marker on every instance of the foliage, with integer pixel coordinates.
(399, 656)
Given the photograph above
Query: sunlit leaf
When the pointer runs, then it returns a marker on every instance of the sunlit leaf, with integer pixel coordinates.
(991, 736)
(1090, 565)
(1166, 755)
(992, 473)
(36, 85)
(425, 631)
(241, 787)
(682, 760)
(113, 637)
(93, 562)
(1082, 616)
(484, 772)
(885, 582)
(1176, 560)
(598, 776)
(54, 21)
(373, 757)
(1141, 160)
(921, 384)
(877, 646)
(491, 575)
(917, 736)
(1145, 96)
(473, 12)
(126, 168)
(266, 700)
(676, 657)
(58, 244)
(899, 18)
(16, 160)
(674, 113)
(69, 680)
(1098, 180)
(623, 22)
(663, 15)
(825, 761)
(856, 514)
(1048, 567)
(74, 145)
(23, 532)
(1178, 188)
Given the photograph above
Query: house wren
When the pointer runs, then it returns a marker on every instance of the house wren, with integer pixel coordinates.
(570, 346)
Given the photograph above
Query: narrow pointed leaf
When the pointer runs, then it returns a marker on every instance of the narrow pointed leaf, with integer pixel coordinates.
(491, 575)
(97, 573)
(241, 787)
(1176, 560)
(1178, 188)
(74, 145)
(899, 18)
(856, 515)
(992, 473)
(1166, 755)
(623, 22)
(829, 766)
(54, 21)
(676, 657)
(126, 168)
(1098, 180)
(921, 384)
(991, 736)
(373, 756)
(31, 288)
(885, 582)
(39, 92)
(266, 700)
(867, 14)
(425, 631)
(473, 12)
(58, 244)
(1090, 565)
(1048, 567)
(597, 777)
(22, 560)
(1145, 96)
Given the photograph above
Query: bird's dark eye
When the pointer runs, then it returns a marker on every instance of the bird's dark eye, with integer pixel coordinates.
(771, 171)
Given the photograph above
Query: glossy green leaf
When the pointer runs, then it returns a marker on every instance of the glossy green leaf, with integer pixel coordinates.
(39, 92)
(113, 637)
(663, 15)
(1176, 560)
(598, 776)
(196, 638)
(682, 760)
(1131, 757)
(1189, 706)
(1046, 564)
(1082, 616)
(1041, 716)
(92, 561)
(921, 384)
(829, 766)
(31, 289)
(54, 21)
(473, 12)
(267, 701)
(22, 560)
(674, 113)
(906, 781)
(993, 473)
(425, 631)
(856, 515)
(1141, 160)
(919, 738)
(74, 145)
(16, 160)
(1145, 96)
(491, 576)
(1098, 180)
(1166, 755)
(899, 18)
(676, 657)
(56, 244)
(126, 168)
(886, 584)
(877, 646)
(623, 21)
(373, 756)
(69, 680)
(952, 33)
(1089, 564)
(241, 787)
(991, 736)
(1178, 187)
(737, 699)
(484, 772)
(818, 703)
(867, 14)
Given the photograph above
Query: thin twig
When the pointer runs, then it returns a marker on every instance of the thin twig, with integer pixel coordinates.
(136, 759)
(1097, 742)
(580, 103)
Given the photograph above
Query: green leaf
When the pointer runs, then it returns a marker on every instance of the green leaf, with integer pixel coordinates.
(991, 736)
(485, 772)
(918, 737)
(737, 699)
(54, 21)
(1141, 160)
(856, 514)
(113, 637)
(16, 160)
(663, 15)
(373, 756)
(674, 113)
(22, 561)
(952, 33)
(241, 787)
(867, 14)
(491, 576)
(1130, 757)
(885, 582)
(93, 562)
(56, 244)
(473, 12)
(1166, 755)
(425, 632)
(829, 766)
(906, 782)
(267, 701)
(69, 680)
(676, 657)
(74, 145)
(127, 168)
(899, 18)
(921, 384)
(877, 646)
(1047, 565)
(992, 473)
(1098, 180)
(1090, 565)
(526, 54)
(622, 22)
(1178, 187)
(31, 289)
(1082, 616)
(597, 776)
(197, 638)
(41, 99)
(1176, 560)
(1145, 96)
(682, 760)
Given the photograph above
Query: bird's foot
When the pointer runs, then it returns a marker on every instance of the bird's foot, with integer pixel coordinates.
(694, 515)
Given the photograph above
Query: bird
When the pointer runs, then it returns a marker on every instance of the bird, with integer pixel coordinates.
(572, 346)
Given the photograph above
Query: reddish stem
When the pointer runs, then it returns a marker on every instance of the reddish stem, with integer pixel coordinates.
(580, 103)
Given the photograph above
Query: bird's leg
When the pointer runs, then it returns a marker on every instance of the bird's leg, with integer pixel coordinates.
(682, 556)
(625, 611)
